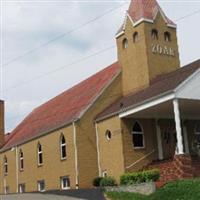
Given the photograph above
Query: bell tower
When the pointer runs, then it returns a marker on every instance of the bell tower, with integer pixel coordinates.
(147, 45)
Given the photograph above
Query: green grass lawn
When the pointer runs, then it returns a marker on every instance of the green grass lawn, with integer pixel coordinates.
(178, 190)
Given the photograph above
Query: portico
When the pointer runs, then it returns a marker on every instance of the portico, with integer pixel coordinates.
(171, 120)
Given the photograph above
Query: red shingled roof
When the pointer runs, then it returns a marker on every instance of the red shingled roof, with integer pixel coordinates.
(145, 9)
(160, 85)
(63, 109)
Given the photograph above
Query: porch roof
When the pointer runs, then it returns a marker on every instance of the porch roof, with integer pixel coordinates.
(163, 84)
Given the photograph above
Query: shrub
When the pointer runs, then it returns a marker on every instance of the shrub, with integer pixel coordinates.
(96, 181)
(140, 177)
(107, 181)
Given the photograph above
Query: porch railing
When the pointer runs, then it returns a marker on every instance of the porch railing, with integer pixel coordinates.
(141, 159)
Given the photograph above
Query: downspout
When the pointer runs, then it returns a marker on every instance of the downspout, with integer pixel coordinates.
(98, 151)
(4, 184)
(17, 170)
(76, 156)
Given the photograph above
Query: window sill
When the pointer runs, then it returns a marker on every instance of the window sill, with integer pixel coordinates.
(68, 188)
(63, 159)
(139, 148)
(21, 170)
(40, 165)
(41, 191)
(5, 174)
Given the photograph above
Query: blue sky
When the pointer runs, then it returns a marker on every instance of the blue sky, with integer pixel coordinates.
(30, 24)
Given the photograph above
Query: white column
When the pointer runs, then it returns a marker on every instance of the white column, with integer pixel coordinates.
(185, 135)
(159, 141)
(178, 127)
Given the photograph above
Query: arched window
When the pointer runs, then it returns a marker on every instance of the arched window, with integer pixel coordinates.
(108, 135)
(5, 160)
(125, 43)
(21, 160)
(167, 36)
(154, 34)
(63, 152)
(137, 136)
(135, 37)
(40, 154)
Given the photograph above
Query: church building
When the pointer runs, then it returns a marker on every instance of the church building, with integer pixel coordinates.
(141, 112)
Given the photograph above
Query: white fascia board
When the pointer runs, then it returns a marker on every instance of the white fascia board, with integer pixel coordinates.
(147, 105)
(119, 34)
(164, 17)
(187, 81)
(172, 26)
(189, 89)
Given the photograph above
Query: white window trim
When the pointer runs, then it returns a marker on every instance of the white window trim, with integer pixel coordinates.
(21, 159)
(61, 146)
(107, 136)
(5, 166)
(139, 133)
(40, 152)
(39, 186)
(104, 173)
(20, 188)
(62, 185)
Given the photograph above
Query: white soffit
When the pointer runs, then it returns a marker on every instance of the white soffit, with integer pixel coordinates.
(147, 105)
(190, 88)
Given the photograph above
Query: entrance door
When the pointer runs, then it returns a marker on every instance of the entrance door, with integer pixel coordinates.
(169, 143)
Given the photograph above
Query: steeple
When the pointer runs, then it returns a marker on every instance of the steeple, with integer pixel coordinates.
(145, 10)
(147, 45)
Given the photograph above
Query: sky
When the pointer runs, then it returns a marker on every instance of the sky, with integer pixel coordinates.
(49, 46)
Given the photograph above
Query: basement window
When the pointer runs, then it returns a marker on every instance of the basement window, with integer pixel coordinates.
(137, 136)
(41, 186)
(7, 190)
(21, 188)
(104, 173)
(65, 183)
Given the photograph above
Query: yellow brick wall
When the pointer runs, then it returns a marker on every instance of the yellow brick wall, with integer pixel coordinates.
(118, 153)
(111, 151)
(51, 170)
(86, 134)
(133, 59)
(161, 64)
(132, 155)
(139, 64)
(10, 179)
